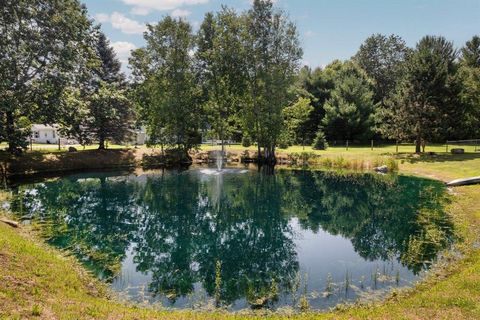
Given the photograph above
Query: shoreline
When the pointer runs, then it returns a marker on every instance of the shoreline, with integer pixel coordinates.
(386, 308)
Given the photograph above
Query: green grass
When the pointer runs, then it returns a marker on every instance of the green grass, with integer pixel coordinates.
(37, 281)
(353, 150)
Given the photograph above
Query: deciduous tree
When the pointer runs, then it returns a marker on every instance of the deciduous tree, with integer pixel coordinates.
(42, 43)
(165, 84)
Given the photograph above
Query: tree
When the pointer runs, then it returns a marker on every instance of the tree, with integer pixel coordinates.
(295, 117)
(220, 60)
(317, 86)
(349, 111)
(110, 110)
(99, 110)
(43, 44)
(424, 105)
(470, 100)
(165, 84)
(273, 59)
(470, 53)
(381, 57)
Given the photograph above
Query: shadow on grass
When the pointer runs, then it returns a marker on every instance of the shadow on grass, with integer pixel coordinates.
(435, 157)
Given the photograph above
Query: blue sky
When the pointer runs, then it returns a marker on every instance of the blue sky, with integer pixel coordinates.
(329, 29)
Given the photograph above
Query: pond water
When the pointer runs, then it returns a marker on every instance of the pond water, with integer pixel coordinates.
(243, 238)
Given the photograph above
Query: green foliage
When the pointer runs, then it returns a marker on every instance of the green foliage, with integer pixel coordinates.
(295, 116)
(320, 141)
(349, 110)
(274, 53)
(246, 141)
(99, 109)
(470, 100)
(218, 282)
(165, 84)
(470, 53)
(110, 115)
(220, 60)
(423, 106)
(45, 46)
(382, 57)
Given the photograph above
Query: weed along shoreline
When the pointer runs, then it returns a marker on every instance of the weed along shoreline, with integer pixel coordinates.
(35, 163)
(40, 281)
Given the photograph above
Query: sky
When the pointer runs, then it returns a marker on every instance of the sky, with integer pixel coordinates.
(328, 29)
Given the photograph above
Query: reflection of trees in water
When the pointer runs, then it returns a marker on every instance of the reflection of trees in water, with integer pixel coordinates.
(383, 216)
(185, 233)
(92, 217)
(182, 224)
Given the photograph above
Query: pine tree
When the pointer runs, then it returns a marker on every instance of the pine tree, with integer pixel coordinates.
(425, 103)
(98, 109)
(470, 56)
(349, 110)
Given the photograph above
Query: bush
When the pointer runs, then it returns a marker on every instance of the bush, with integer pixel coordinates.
(246, 142)
(320, 141)
(283, 145)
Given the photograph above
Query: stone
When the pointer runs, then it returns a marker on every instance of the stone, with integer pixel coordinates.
(381, 169)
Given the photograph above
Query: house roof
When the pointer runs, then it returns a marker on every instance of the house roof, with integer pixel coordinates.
(44, 127)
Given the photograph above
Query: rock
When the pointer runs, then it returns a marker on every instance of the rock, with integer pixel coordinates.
(72, 149)
(381, 169)
(458, 151)
(11, 223)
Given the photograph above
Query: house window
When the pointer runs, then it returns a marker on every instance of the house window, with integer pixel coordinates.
(46, 135)
(53, 134)
(36, 134)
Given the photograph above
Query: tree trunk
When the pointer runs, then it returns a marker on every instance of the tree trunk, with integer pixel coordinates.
(13, 146)
(418, 145)
(101, 143)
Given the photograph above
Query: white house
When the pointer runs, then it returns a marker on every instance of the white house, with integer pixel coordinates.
(48, 134)
(140, 136)
(44, 134)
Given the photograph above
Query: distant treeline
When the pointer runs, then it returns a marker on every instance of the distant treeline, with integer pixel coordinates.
(238, 78)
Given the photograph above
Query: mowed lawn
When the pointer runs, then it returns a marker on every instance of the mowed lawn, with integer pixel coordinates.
(37, 281)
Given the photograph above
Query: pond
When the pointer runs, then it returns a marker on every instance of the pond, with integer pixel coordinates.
(243, 238)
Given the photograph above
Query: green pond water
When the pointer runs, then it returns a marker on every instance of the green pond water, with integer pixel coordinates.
(243, 238)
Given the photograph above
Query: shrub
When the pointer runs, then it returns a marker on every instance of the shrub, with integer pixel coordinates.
(246, 142)
(320, 141)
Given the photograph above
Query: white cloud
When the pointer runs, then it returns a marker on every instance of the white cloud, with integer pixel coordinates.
(144, 7)
(121, 22)
(123, 50)
(179, 13)
(309, 33)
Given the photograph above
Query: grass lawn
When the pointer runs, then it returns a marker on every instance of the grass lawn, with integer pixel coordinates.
(37, 281)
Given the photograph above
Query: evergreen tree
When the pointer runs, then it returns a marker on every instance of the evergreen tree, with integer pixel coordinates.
(349, 111)
(99, 110)
(425, 103)
(470, 53)
(315, 85)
